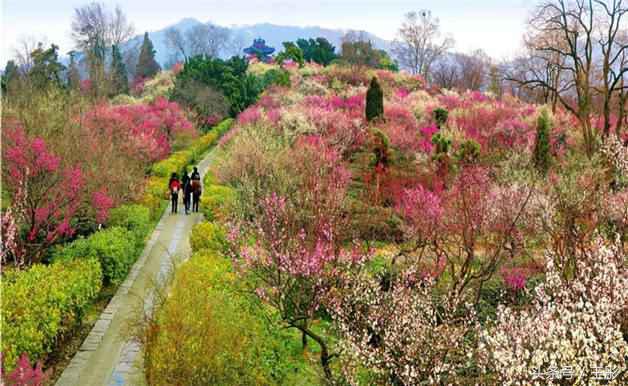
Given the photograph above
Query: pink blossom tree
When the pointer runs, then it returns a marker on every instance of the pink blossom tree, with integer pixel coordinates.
(468, 229)
(291, 269)
(45, 196)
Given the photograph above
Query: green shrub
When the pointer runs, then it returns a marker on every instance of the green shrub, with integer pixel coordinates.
(216, 200)
(114, 248)
(440, 116)
(277, 77)
(469, 152)
(442, 144)
(134, 218)
(374, 101)
(43, 302)
(209, 332)
(208, 235)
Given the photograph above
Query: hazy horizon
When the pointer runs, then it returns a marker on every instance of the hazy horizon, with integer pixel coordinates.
(492, 25)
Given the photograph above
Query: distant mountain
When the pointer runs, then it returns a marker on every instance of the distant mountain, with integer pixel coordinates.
(273, 34)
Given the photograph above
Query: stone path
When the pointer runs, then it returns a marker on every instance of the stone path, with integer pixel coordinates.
(109, 356)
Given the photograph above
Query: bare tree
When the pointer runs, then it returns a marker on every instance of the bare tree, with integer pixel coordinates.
(203, 39)
(93, 24)
(207, 39)
(24, 50)
(120, 30)
(357, 49)
(175, 41)
(462, 71)
(582, 40)
(445, 75)
(236, 44)
(613, 43)
(419, 43)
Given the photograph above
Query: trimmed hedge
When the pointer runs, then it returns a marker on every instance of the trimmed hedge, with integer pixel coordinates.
(42, 303)
(209, 236)
(115, 248)
(134, 218)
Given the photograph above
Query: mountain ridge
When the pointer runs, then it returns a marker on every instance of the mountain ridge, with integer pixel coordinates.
(274, 34)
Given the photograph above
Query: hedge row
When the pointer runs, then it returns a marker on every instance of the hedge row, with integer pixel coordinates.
(156, 188)
(41, 304)
(115, 248)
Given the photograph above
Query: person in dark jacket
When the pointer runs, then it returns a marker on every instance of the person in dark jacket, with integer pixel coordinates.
(196, 189)
(174, 185)
(187, 191)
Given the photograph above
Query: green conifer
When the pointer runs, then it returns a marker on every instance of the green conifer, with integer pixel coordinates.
(374, 101)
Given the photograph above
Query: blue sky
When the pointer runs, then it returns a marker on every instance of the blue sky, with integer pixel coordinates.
(493, 25)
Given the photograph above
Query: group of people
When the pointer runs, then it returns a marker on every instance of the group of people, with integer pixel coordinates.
(190, 186)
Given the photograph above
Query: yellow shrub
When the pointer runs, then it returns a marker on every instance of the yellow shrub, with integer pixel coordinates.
(209, 236)
(206, 332)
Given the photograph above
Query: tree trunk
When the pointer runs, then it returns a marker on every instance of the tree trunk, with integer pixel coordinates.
(324, 356)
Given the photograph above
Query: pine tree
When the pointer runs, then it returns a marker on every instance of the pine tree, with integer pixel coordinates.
(46, 68)
(147, 67)
(542, 156)
(374, 101)
(119, 79)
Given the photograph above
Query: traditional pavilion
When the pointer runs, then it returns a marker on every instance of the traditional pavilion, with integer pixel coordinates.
(260, 50)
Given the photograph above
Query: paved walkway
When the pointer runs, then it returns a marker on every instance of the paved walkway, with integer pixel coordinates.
(108, 355)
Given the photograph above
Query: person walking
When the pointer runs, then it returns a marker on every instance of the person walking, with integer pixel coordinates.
(196, 189)
(187, 191)
(174, 185)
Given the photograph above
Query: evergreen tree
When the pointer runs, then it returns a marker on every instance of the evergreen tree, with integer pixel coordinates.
(374, 101)
(46, 67)
(320, 51)
(73, 76)
(542, 156)
(147, 66)
(440, 117)
(290, 51)
(11, 74)
(119, 79)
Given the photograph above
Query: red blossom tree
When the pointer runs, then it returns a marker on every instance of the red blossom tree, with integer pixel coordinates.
(45, 196)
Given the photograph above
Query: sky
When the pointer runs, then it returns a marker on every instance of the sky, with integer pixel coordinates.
(496, 26)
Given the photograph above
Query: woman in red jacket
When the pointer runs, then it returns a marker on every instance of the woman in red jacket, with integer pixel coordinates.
(174, 185)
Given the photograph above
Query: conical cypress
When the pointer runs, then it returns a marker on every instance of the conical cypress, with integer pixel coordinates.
(146, 65)
(119, 79)
(374, 101)
(542, 156)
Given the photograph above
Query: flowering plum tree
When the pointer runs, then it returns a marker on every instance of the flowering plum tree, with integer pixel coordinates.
(290, 268)
(45, 196)
(571, 324)
(468, 227)
(399, 331)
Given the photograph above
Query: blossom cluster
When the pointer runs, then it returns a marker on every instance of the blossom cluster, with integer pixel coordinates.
(571, 323)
